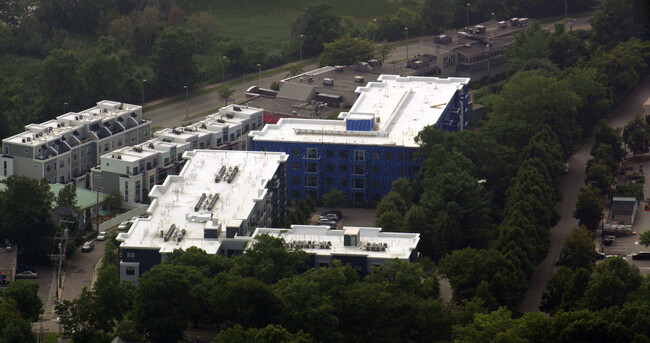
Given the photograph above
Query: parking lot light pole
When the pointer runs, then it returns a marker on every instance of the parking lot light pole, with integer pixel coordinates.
(260, 66)
(223, 68)
(187, 107)
(407, 44)
(467, 18)
(301, 37)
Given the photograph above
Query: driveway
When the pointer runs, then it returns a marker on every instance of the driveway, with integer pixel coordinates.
(570, 188)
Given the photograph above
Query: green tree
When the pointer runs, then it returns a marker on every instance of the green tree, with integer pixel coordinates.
(383, 50)
(164, 291)
(644, 239)
(530, 45)
(267, 334)
(333, 198)
(636, 135)
(225, 93)
(115, 199)
(600, 176)
(13, 328)
(609, 136)
(76, 318)
(59, 82)
(171, 59)
(244, 300)
(565, 48)
(67, 196)
(27, 222)
(295, 69)
(589, 208)
(317, 25)
(347, 51)
(615, 281)
(619, 21)
(564, 289)
(268, 260)
(578, 250)
(25, 294)
(205, 28)
(111, 299)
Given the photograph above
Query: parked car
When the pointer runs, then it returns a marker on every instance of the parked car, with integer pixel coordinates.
(609, 239)
(641, 255)
(337, 212)
(600, 255)
(88, 246)
(124, 225)
(102, 236)
(27, 274)
(331, 216)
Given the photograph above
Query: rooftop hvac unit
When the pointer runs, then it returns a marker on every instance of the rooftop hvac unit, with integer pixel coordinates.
(200, 202)
(230, 115)
(220, 121)
(220, 174)
(181, 235)
(232, 174)
(338, 68)
(236, 108)
(170, 232)
(212, 202)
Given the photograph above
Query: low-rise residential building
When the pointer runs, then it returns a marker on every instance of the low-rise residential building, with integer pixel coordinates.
(215, 203)
(361, 247)
(64, 149)
(133, 171)
(371, 145)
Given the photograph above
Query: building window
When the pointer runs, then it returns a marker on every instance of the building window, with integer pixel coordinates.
(61, 163)
(358, 183)
(295, 194)
(375, 155)
(358, 169)
(343, 168)
(329, 153)
(130, 255)
(106, 147)
(311, 181)
(343, 182)
(375, 183)
(329, 181)
(295, 180)
(47, 168)
(296, 152)
(389, 156)
(312, 153)
(375, 169)
(74, 156)
(262, 149)
(401, 156)
(359, 155)
(312, 167)
(343, 153)
(130, 270)
(401, 171)
(329, 167)
(295, 166)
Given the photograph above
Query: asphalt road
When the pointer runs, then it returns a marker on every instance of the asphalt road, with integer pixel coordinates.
(570, 188)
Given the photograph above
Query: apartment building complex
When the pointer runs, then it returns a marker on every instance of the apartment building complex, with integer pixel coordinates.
(215, 203)
(370, 146)
(64, 149)
(133, 171)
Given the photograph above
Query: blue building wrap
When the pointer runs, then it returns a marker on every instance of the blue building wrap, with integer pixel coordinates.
(364, 173)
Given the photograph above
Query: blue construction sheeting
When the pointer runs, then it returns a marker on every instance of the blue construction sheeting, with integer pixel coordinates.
(360, 124)
(364, 173)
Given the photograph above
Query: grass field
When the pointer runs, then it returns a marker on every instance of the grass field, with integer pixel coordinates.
(268, 22)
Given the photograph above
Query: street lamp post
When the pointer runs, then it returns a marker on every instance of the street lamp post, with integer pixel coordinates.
(260, 66)
(300, 44)
(187, 107)
(223, 68)
(143, 83)
(487, 46)
(407, 44)
(374, 29)
(467, 18)
(64, 105)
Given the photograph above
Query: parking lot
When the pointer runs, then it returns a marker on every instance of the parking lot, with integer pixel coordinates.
(351, 216)
(626, 245)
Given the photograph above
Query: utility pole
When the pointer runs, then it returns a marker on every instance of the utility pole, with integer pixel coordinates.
(301, 37)
(488, 45)
(407, 44)
(467, 18)
(60, 257)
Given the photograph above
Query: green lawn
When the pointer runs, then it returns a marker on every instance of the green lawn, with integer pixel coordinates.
(268, 23)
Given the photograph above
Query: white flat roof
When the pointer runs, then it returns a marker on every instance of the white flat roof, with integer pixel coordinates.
(173, 202)
(402, 107)
(64, 124)
(398, 244)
